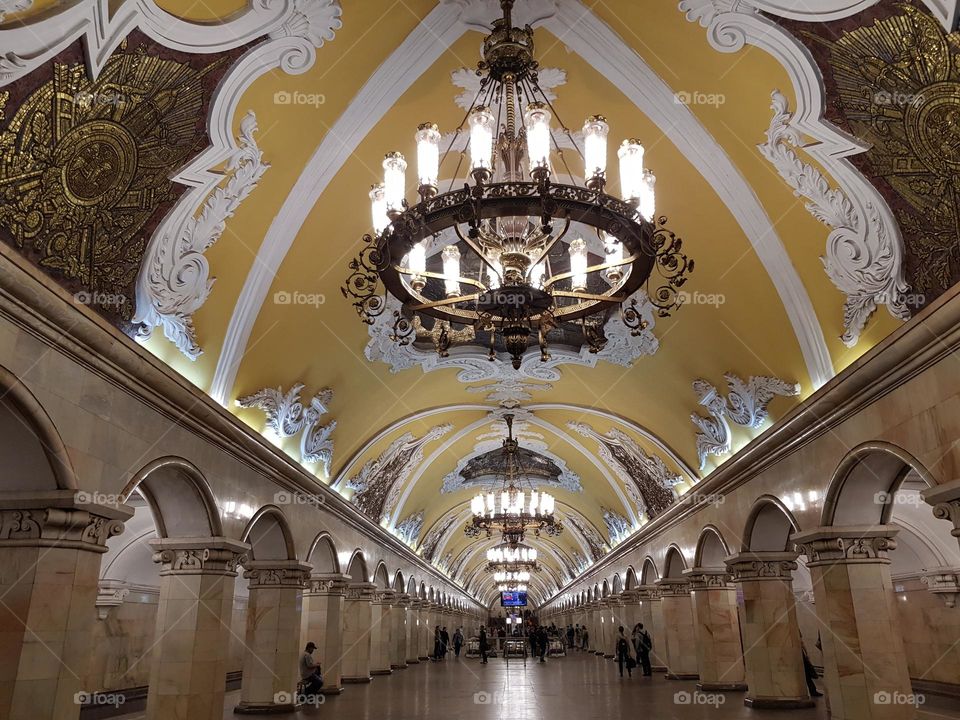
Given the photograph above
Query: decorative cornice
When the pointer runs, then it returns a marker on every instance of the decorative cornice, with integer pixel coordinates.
(745, 404)
(174, 280)
(286, 416)
(110, 594)
(749, 567)
(864, 257)
(267, 574)
(945, 500)
(944, 583)
(60, 527)
(847, 545)
(673, 587)
(702, 579)
(327, 584)
(361, 591)
(198, 556)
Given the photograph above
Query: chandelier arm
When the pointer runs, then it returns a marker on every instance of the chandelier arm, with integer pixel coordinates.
(560, 122)
(589, 270)
(445, 302)
(476, 249)
(612, 299)
(439, 276)
(556, 239)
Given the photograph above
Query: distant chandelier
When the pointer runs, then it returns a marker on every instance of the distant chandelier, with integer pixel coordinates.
(510, 554)
(508, 576)
(511, 510)
(507, 277)
(520, 587)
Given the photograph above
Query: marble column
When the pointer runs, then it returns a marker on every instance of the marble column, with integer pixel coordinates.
(766, 604)
(413, 632)
(381, 632)
(322, 623)
(188, 668)
(271, 660)
(629, 610)
(49, 567)
(681, 644)
(357, 635)
(865, 665)
(716, 630)
(609, 609)
(398, 632)
(651, 615)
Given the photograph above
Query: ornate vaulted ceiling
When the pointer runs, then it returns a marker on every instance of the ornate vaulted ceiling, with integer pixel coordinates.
(800, 265)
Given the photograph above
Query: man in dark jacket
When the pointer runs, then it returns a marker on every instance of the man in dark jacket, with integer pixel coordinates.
(483, 646)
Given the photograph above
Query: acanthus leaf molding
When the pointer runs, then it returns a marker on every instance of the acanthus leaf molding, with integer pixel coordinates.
(746, 405)
(862, 259)
(174, 280)
(287, 416)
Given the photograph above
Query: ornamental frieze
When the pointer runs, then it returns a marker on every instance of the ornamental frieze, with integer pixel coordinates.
(57, 527)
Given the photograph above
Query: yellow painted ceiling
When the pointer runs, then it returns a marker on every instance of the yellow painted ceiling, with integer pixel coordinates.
(323, 345)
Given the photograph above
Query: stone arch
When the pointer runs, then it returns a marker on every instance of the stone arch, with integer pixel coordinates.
(323, 555)
(769, 526)
(398, 582)
(381, 577)
(411, 586)
(631, 581)
(269, 536)
(711, 549)
(617, 585)
(357, 567)
(865, 483)
(180, 499)
(423, 591)
(674, 564)
(33, 455)
(649, 573)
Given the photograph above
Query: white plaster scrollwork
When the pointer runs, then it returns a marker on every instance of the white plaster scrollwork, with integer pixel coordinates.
(9, 7)
(287, 416)
(314, 20)
(509, 393)
(863, 259)
(174, 280)
(410, 527)
(618, 527)
(746, 404)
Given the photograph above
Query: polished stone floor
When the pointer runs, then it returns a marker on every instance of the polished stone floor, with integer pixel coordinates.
(579, 687)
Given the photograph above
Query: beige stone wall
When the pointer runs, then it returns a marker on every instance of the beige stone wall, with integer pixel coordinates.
(930, 632)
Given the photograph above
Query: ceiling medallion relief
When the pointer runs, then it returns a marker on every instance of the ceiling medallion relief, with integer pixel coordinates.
(745, 404)
(897, 82)
(648, 481)
(377, 485)
(509, 393)
(287, 416)
(174, 279)
(84, 165)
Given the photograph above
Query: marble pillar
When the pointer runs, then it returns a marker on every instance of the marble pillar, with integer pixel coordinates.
(413, 632)
(357, 635)
(773, 662)
(381, 632)
(610, 608)
(681, 644)
(188, 668)
(398, 632)
(322, 624)
(865, 665)
(49, 567)
(272, 642)
(716, 630)
(651, 615)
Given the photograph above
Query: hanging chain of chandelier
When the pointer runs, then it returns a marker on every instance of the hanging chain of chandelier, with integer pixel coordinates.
(511, 510)
(521, 277)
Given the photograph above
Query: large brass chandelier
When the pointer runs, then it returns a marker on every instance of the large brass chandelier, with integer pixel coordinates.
(500, 257)
(510, 509)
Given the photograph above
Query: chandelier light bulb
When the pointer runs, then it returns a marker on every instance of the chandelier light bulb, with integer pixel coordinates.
(428, 155)
(481, 138)
(394, 181)
(578, 264)
(494, 271)
(378, 208)
(491, 507)
(613, 249)
(648, 196)
(451, 270)
(417, 262)
(595, 131)
(533, 502)
(476, 505)
(536, 119)
(538, 273)
(631, 170)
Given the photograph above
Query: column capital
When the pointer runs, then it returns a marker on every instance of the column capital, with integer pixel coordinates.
(327, 584)
(749, 566)
(944, 582)
(361, 591)
(673, 587)
(61, 518)
(701, 579)
(847, 545)
(264, 574)
(110, 594)
(384, 597)
(403, 600)
(945, 500)
(198, 556)
(648, 592)
(629, 597)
